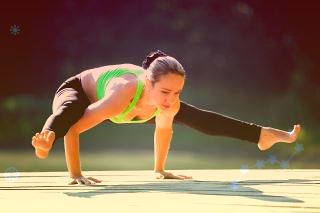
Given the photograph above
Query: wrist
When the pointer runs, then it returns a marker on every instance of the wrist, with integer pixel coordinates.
(76, 175)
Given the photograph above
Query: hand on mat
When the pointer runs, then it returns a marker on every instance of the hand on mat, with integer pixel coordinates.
(84, 181)
(168, 175)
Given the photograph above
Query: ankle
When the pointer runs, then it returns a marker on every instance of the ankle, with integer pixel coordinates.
(266, 139)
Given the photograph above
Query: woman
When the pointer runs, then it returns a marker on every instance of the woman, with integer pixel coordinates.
(127, 93)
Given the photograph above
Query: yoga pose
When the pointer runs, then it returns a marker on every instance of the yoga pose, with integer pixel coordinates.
(126, 93)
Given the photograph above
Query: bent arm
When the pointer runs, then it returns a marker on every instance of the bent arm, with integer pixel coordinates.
(99, 111)
(95, 113)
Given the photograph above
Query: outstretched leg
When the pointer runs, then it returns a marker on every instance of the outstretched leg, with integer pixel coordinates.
(213, 123)
(216, 124)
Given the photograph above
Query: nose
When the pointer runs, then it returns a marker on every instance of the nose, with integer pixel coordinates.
(170, 100)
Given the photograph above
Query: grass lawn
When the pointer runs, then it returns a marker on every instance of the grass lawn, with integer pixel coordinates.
(143, 160)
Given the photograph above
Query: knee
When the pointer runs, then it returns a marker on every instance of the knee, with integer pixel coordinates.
(67, 112)
(73, 131)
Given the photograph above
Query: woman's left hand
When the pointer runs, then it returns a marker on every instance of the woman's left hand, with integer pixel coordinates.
(81, 180)
(168, 175)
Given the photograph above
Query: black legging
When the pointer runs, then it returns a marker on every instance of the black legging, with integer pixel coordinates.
(70, 102)
(215, 124)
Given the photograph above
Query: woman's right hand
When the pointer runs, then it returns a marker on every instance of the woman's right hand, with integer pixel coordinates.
(81, 180)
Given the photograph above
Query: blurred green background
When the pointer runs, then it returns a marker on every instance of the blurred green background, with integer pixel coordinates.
(252, 60)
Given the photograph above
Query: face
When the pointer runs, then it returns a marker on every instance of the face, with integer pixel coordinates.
(165, 93)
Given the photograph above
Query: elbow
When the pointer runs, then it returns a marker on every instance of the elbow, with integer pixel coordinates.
(74, 131)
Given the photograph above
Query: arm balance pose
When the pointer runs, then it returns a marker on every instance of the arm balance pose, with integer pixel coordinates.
(127, 93)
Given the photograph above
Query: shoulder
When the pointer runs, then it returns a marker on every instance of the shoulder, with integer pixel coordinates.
(131, 66)
(102, 69)
(122, 88)
(119, 94)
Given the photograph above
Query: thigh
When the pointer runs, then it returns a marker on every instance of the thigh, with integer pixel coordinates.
(70, 94)
(69, 99)
(186, 113)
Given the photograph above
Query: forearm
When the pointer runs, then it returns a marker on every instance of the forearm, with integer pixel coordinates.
(162, 140)
(71, 146)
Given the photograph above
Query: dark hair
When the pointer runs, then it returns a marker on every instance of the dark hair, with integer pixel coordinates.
(151, 57)
(159, 63)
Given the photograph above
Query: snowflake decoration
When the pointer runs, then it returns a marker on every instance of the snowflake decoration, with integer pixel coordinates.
(272, 159)
(284, 164)
(11, 174)
(260, 164)
(244, 168)
(234, 185)
(15, 30)
(299, 147)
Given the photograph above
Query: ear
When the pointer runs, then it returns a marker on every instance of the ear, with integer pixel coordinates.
(148, 84)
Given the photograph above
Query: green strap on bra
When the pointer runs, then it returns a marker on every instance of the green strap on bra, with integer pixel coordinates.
(103, 81)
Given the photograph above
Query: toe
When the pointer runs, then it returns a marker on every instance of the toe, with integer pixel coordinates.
(45, 134)
(295, 130)
(51, 136)
(33, 142)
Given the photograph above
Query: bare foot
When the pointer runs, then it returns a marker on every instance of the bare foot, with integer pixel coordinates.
(270, 136)
(42, 142)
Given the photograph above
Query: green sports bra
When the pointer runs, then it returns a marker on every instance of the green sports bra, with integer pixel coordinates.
(102, 83)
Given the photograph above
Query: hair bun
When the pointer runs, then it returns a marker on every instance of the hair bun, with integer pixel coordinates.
(151, 57)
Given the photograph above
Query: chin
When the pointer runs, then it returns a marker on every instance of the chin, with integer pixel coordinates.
(164, 107)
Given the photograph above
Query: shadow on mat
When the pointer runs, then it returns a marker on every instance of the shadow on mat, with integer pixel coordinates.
(196, 187)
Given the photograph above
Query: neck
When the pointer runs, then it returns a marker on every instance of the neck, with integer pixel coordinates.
(145, 99)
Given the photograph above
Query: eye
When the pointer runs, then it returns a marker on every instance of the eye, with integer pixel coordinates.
(165, 92)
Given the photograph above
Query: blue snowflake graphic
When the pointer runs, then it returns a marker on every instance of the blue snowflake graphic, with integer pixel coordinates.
(244, 168)
(260, 164)
(234, 185)
(15, 30)
(272, 159)
(299, 147)
(284, 164)
(11, 174)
